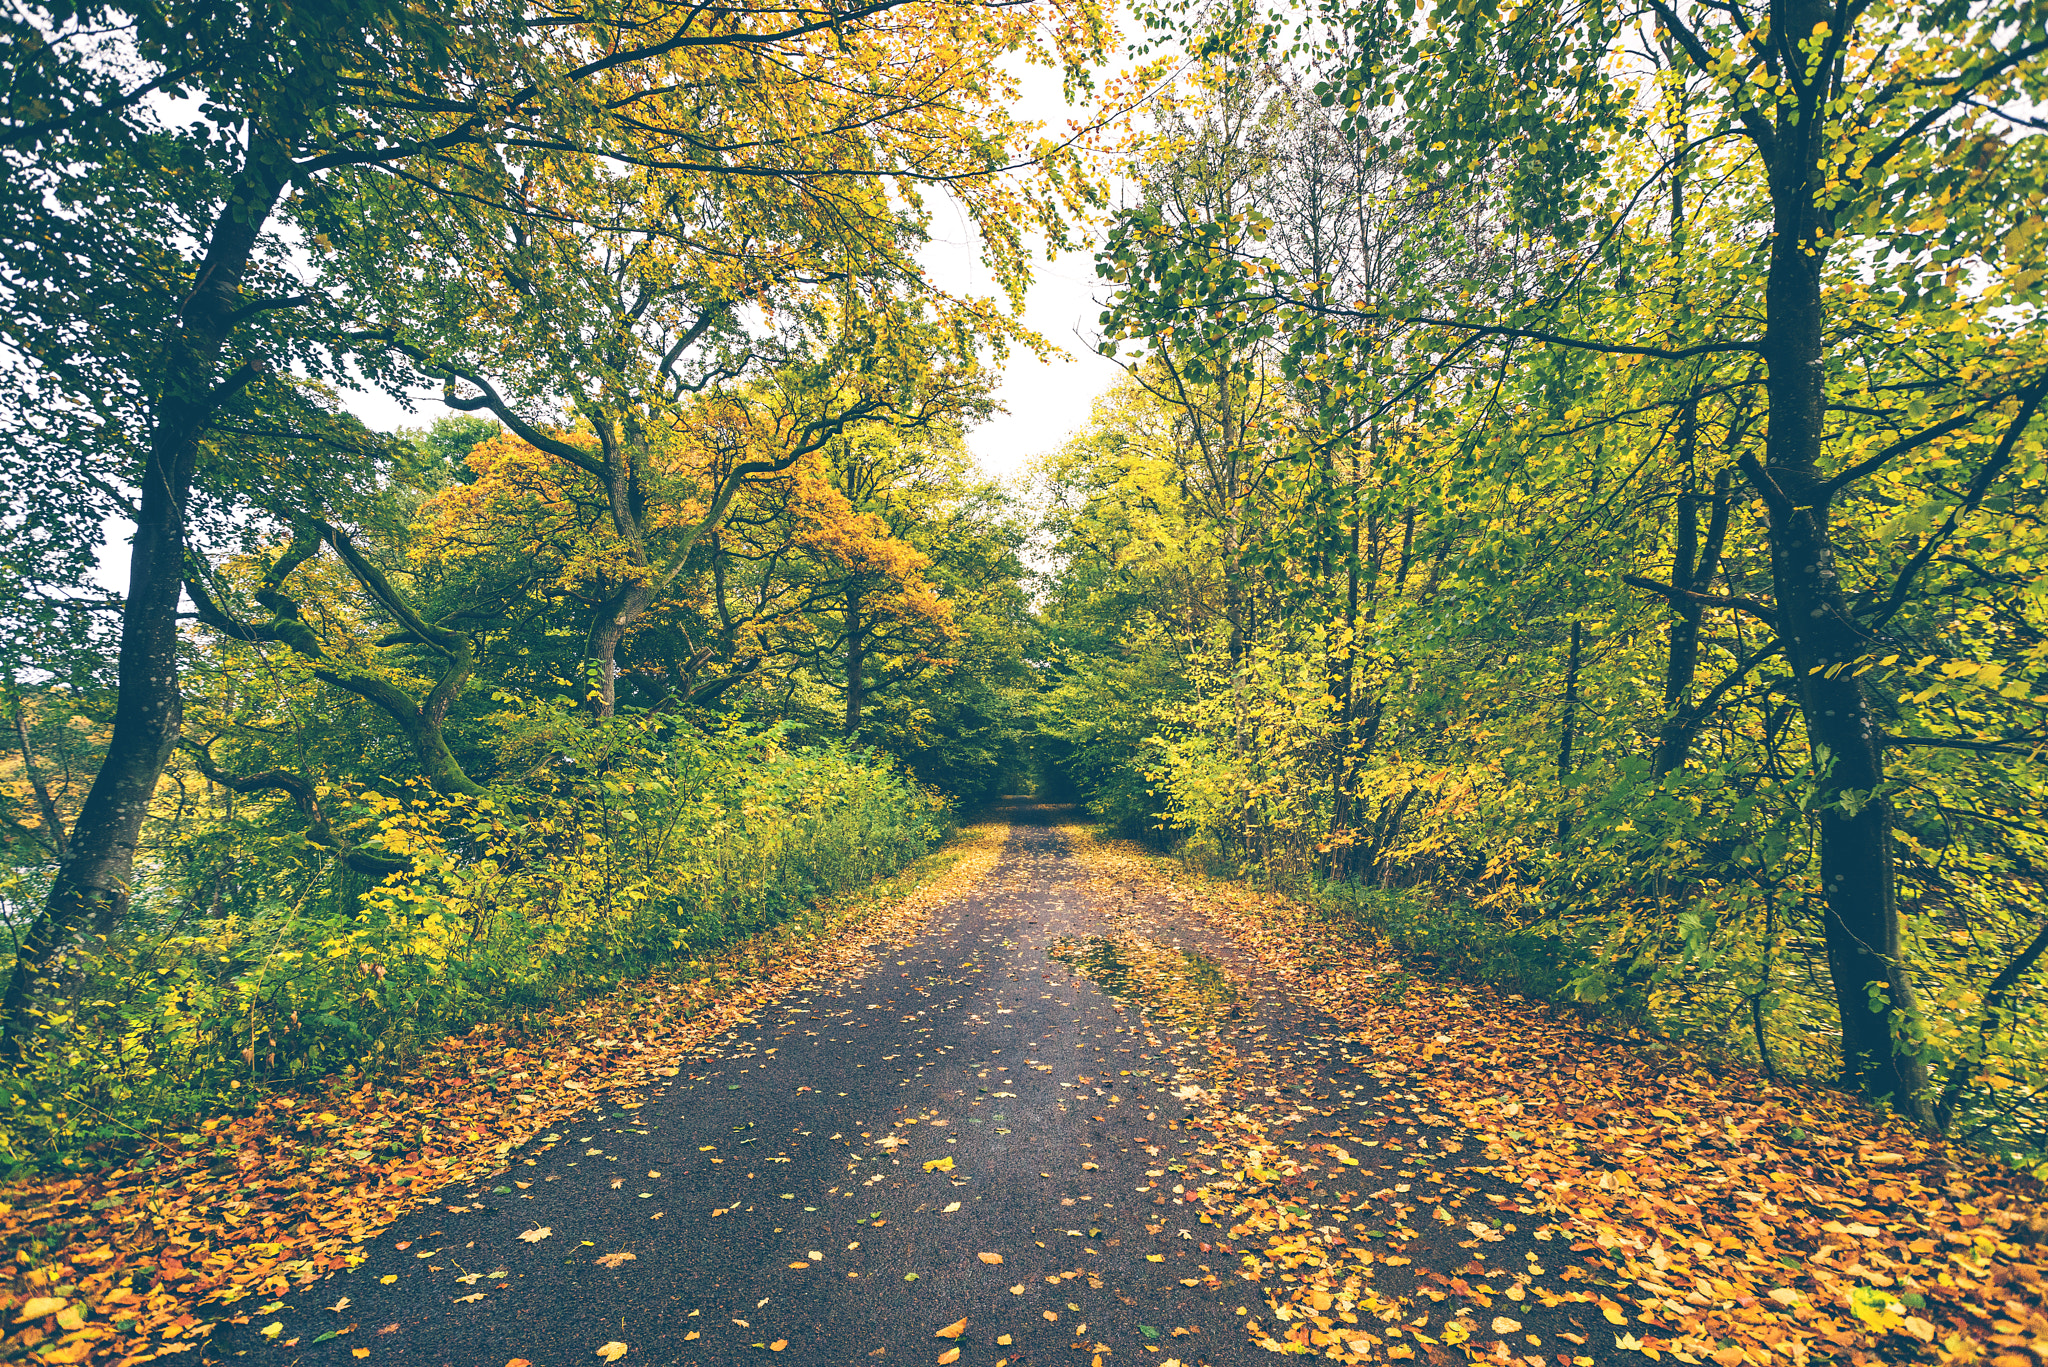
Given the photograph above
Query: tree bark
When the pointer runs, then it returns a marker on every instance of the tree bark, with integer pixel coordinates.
(1823, 642)
(855, 660)
(1568, 729)
(1692, 570)
(92, 885)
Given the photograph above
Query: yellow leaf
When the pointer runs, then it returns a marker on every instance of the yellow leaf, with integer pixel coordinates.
(799, 1264)
(1503, 1325)
(1002, 1340)
(778, 1345)
(1613, 1313)
(952, 1331)
(71, 1352)
(534, 1236)
(950, 1355)
(38, 1306)
(388, 1278)
(687, 1337)
(940, 1164)
(364, 1352)
(1155, 1257)
(612, 1351)
(992, 1259)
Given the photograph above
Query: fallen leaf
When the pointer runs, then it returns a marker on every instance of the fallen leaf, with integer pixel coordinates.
(614, 1259)
(472, 1296)
(1503, 1325)
(612, 1351)
(1155, 1257)
(778, 1345)
(388, 1278)
(272, 1330)
(534, 1236)
(38, 1306)
(360, 1352)
(1002, 1340)
(339, 1305)
(1017, 1290)
(952, 1331)
(518, 1362)
(950, 1209)
(940, 1164)
(950, 1355)
(992, 1259)
(1050, 1314)
(687, 1337)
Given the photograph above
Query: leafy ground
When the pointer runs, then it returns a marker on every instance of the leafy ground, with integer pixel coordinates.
(1632, 1196)
(1062, 1103)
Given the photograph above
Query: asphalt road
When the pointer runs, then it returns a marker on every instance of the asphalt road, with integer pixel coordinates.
(834, 1181)
(779, 1198)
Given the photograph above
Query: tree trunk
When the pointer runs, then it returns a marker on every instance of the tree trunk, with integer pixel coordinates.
(92, 885)
(1568, 729)
(855, 660)
(601, 647)
(1692, 569)
(1822, 644)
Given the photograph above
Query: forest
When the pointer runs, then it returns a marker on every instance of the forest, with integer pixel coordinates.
(1572, 512)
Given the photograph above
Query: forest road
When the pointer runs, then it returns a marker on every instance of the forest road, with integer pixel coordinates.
(827, 1183)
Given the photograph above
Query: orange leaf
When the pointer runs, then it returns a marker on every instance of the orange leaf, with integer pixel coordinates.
(952, 1331)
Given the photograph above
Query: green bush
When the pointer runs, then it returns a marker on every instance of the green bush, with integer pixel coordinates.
(647, 851)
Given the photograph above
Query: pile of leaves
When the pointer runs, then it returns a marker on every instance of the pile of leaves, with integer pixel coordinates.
(142, 1261)
(1713, 1215)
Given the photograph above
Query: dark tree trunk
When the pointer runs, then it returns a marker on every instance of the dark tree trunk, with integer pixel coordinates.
(1822, 642)
(856, 660)
(1693, 568)
(92, 885)
(1568, 728)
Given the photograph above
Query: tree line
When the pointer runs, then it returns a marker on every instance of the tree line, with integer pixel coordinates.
(1576, 500)
(701, 506)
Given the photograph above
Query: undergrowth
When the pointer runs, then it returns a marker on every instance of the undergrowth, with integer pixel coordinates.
(655, 859)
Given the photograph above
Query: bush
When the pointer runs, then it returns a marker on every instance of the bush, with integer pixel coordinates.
(646, 851)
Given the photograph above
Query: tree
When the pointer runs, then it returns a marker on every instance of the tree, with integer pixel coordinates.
(1879, 165)
(150, 284)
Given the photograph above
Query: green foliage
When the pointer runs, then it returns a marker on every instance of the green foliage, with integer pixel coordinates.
(260, 961)
(1518, 600)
